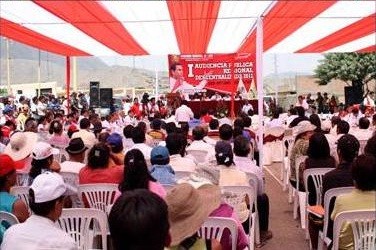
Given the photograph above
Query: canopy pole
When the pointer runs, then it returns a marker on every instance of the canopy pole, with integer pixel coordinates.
(74, 78)
(260, 87)
(68, 72)
(9, 89)
(232, 111)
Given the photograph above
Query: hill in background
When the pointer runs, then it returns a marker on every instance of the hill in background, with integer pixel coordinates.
(24, 62)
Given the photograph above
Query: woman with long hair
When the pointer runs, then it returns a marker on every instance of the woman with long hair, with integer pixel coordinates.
(137, 176)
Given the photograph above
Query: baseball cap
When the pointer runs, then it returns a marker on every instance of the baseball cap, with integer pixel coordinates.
(42, 150)
(7, 165)
(159, 153)
(48, 186)
(115, 140)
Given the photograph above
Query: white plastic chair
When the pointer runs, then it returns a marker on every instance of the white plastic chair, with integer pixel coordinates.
(236, 197)
(9, 218)
(253, 182)
(285, 170)
(77, 223)
(182, 174)
(71, 182)
(277, 145)
(168, 187)
(98, 195)
(329, 196)
(316, 174)
(22, 178)
(199, 155)
(213, 228)
(362, 144)
(21, 192)
(363, 225)
(299, 197)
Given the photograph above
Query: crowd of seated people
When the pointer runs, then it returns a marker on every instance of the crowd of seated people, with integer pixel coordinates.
(145, 151)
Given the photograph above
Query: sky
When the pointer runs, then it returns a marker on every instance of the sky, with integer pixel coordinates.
(296, 63)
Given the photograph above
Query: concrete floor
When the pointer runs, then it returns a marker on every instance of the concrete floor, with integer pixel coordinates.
(287, 233)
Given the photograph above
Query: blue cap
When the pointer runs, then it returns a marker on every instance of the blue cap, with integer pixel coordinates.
(159, 153)
(115, 140)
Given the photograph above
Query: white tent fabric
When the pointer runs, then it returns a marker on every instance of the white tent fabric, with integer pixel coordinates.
(99, 28)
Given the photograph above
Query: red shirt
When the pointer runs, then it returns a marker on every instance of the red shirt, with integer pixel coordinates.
(101, 175)
(136, 110)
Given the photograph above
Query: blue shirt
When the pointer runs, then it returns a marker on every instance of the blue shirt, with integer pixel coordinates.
(164, 174)
(6, 204)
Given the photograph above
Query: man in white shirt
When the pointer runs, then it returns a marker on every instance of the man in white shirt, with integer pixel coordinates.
(40, 231)
(174, 144)
(87, 136)
(198, 134)
(138, 137)
(246, 107)
(302, 103)
(76, 150)
(362, 133)
(369, 100)
(179, 85)
(183, 113)
(246, 164)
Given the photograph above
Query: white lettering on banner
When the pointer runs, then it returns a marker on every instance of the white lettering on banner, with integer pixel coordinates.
(190, 70)
(243, 70)
(210, 65)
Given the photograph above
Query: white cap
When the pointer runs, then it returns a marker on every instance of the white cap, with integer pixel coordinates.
(48, 186)
(42, 150)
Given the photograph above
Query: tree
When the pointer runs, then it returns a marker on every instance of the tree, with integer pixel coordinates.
(356, 69)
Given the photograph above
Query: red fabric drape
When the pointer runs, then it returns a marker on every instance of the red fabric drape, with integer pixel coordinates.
(193, 22)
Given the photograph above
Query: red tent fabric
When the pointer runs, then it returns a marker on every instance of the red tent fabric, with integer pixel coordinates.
(81, 28)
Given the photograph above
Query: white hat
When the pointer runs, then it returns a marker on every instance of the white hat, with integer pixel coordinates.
(48, 186)
(302, 127)
(20, 145)
(42, 150)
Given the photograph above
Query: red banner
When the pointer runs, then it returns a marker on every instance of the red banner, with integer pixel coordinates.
(213, 72)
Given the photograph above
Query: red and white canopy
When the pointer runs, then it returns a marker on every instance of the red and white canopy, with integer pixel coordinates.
(79, 28)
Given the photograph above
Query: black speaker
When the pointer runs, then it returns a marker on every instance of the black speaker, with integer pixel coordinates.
(353, 95)
(94, 94)
(106, 97)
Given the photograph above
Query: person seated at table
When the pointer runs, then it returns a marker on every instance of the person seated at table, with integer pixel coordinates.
(363, 197)
(139, 220)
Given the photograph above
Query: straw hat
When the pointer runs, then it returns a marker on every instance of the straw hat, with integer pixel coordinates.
(188, 208)
(20, 145)
(302, 127)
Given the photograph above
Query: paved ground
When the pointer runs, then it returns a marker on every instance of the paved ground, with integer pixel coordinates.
(287, 233)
